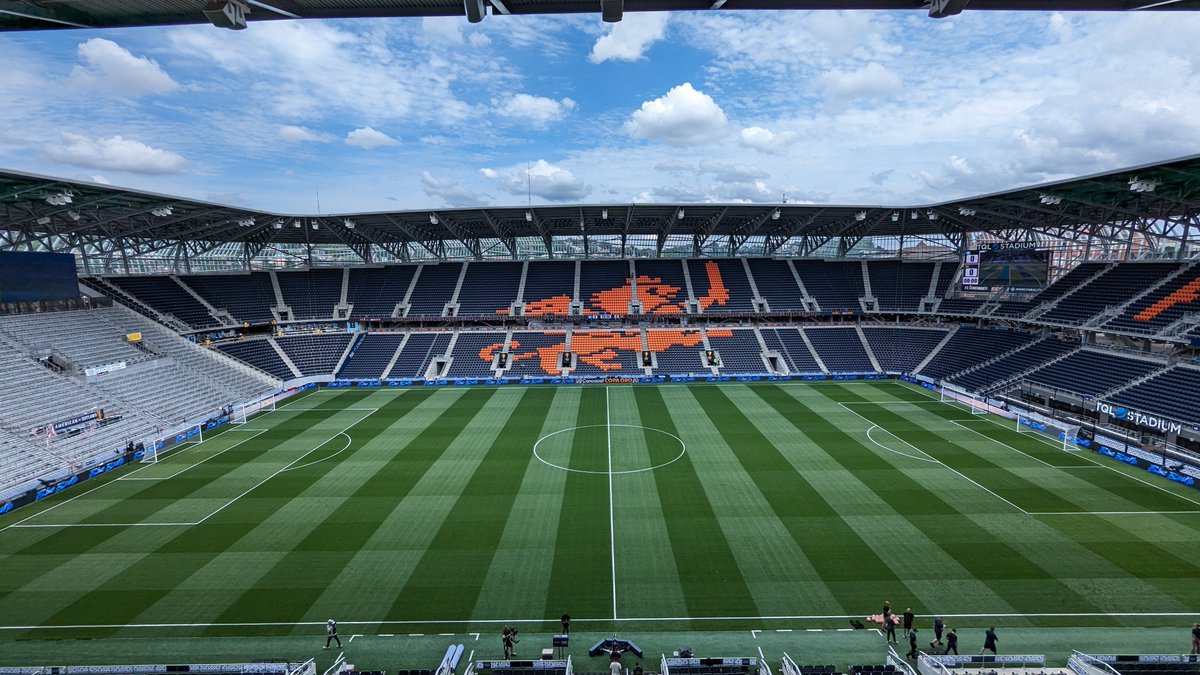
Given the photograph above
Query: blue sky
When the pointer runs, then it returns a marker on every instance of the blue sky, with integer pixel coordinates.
(838, 107)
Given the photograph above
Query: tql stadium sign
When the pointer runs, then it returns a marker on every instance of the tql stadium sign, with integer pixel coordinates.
(1123, 414)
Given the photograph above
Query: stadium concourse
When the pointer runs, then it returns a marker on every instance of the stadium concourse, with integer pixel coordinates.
(989, 420)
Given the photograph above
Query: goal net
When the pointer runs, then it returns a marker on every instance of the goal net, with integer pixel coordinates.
(245, 411)
(975, 403)
(164, 445)
(1064, 433)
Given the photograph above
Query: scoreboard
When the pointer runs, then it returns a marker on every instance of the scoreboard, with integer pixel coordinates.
(1016, 268)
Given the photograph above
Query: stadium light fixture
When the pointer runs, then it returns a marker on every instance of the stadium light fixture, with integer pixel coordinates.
(604, 214)
(964, 211)
(914, 215)
(529, 216)
(161, 212)
(74, 215)
(775, 214)
(296, 223)
(433, 219)
(60, 199)
(246, 222)
(860, 216)
(1051, 200)
(1138, 185)
(895, 216)
(931, 214)
(679, 214)
(474, 10)
(278, 225)
(229, 14)
(44, 220)
(316, 225)
(348, 223)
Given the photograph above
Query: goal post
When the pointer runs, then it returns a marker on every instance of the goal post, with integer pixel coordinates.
(244, 411)
(165, 445)
(974, 403)
(1064, 433)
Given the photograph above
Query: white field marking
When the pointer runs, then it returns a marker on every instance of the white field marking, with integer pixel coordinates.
(976, 431)
(872, 439)
(1103, 465)
(814, 630)
(471, 656)
(754, 634)
(387, 635)
(219, 509)
(416, 635)
(352, 638)
(948, 467)
(349, 442)
(130, 475)
(682, 448)
(476, 636)
(792, 617)
(612, 530)
(1107, 513)
(783, 630)
(879, 631)
(845, 630)
(445, 634)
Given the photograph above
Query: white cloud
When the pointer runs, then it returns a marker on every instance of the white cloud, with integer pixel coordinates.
(629, 39)
(113, 153)
(871, 81)
(682, 117)
(369, 139)
(537, 110)
(451, 191)
(99, 179)
(109, 67)
(295, 134)
(767, 141)
(542, 179)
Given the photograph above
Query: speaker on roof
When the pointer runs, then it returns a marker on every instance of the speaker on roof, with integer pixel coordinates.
(612, 10)
(474, 10)
(229, 14)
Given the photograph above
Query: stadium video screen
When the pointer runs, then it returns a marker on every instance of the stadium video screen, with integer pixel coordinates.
(33, 277)
(1018, 269)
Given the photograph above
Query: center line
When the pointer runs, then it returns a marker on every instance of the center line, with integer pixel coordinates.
(612, 536)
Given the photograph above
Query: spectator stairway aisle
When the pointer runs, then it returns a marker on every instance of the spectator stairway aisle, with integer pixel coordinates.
(166, 296)
(971, 346)
(549, 288)
(246, 297)
(678, 352)
(315, 354)
(534, 354)
(489, 288)
(473, 354)
(374, 292)
(372, 356)
(261, 354)
(901, 350)
(1012, 364)
(836, 286)
(840, 350)
(738, 350)
(434, 289)
(419, 351)
(313, 294)
(795, 350)
(777, 284)
(1091, 373)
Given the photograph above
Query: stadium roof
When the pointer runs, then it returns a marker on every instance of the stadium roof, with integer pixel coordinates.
(49, 14)
(1158, 202)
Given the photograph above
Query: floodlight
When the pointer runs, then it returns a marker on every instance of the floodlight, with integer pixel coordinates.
(316, 225)
(775, 214)
(895, 216)
(474, 10)
(914, 215)
(931, 214)
(1051, 200)
(964, 211)
(296, 223)
(529, 216)
(229, 14)
(278, 225)
(433, 219)
(1138, 185)
(73, 214)
(679, 215)
(860, 216)
(612, 10)
(60, 199)
(246, 222)
(348, 223)
(44, 220)
(604, 214)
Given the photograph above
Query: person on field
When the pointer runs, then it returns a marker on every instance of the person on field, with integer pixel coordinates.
(908, 619)
(889, 628)
(989, 642)
(912, 644)
(1196, 638)
(952, 642)
(938, 627)
(331, 634)
(566, 622)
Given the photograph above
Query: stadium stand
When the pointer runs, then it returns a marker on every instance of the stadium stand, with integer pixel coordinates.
(967, 306)
(533, 354)
(246, 297)
(549, 288)
(971, 346)
(902, 349)
(1014, 309)
(607, 352)
(738, 350)
(662, 288)
(840, 349)
(419, 351)
(435, 287)
(791, 344)
(372, 354)
(946, 277)
(260, 354)
(1174, 393)
(315, 354)
(1113, 288)
(604, 286)
(1011, 364)
(375, 291)
(489, 288)
(677, 351)
(164, 295)
(1091, 373)
(472, 354)
(1163, 306)
(899, 285)
(721, 285)
(835, 285)
(86, 339)
(777, 284)
(313, 294)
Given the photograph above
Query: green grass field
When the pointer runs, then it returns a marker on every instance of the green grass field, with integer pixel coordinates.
(645, 508)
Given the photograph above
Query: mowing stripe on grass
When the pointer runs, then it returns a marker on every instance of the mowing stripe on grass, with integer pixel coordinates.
(688, 517)
(451, 574)
(581, 577)
(855, 574)
(291, 587)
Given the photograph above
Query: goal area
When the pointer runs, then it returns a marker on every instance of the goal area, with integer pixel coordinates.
(162, 446)
(1064, 432)
(245, 411)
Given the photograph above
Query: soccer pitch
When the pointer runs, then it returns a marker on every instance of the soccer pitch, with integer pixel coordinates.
(672, 507)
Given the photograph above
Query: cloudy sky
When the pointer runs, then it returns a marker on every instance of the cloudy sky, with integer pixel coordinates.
(842, 107)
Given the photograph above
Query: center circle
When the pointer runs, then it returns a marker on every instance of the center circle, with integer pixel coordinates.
(593, 448)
